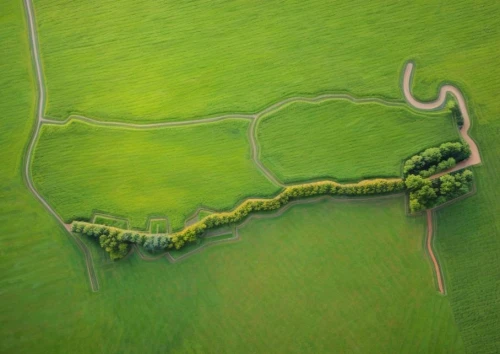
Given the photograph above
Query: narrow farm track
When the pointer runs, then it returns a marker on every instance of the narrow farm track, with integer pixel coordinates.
(475, 157)
(94, 283)
(437, 268)
(253, 117)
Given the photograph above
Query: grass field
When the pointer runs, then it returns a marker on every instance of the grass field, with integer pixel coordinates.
(469, 242)
(135, 173)
(346, 141)
(103, 220)
(158, 226)
(213, 57)
(210, 57)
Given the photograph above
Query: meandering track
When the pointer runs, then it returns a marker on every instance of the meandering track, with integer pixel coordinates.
(475, 157)
(40, 120)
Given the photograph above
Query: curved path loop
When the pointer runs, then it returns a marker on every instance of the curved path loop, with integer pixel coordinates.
(474, 158)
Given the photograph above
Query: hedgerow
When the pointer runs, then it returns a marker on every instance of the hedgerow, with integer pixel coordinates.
(117, 241)
(433, 160)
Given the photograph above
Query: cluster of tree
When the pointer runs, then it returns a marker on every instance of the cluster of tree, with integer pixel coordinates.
(433, 160)
(110, 238)
(116, 241)
(456, 113)
(426, 193)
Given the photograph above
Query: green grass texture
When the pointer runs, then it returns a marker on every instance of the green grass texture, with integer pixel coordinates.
(46, 302)
(150, 61)
(134, 173)
(346, 141)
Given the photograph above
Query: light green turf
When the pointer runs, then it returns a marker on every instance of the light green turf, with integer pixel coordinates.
(110, 221)
(158, 226)
(331, 277)
(46, 302)
(468, 240)
(346, 141)
(147, 61)
(135, 173)
(203, 213)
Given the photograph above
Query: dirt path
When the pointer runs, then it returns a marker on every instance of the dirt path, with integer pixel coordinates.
(94, 283)
(437, 268)
(475, 157)
(40, 120)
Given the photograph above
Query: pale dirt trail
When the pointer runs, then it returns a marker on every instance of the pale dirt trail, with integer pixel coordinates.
(437, 268)
(27, 163)
(474, 158)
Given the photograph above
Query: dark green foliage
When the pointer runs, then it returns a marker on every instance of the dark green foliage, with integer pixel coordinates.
(426, 193)
(434, 160)
(113, 240)
(456, 114)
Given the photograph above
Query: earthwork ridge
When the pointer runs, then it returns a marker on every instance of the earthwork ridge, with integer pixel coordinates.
(40, 120)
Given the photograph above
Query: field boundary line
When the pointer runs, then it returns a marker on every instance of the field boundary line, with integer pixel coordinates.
(263, 215)
(32, 34)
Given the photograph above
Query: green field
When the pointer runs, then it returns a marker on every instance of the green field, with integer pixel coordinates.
(209, 57)
(110, 221)
(321, 278)
(134, 173)
(158, 226)
(345, 140)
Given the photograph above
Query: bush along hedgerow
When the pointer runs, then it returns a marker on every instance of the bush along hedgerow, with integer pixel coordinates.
(426, 193)
(434, 160)
(117, 241)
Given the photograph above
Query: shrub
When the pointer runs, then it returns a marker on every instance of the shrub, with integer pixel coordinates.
(456, 113)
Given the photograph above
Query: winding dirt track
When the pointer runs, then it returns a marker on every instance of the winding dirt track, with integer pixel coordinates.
(437, 268)
(438, 103)
(475, 157)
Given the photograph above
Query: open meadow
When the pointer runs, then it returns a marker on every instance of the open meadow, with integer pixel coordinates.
(167, 171)
(153, 61)
(349, 275)
(343, 140)
(333, 276)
